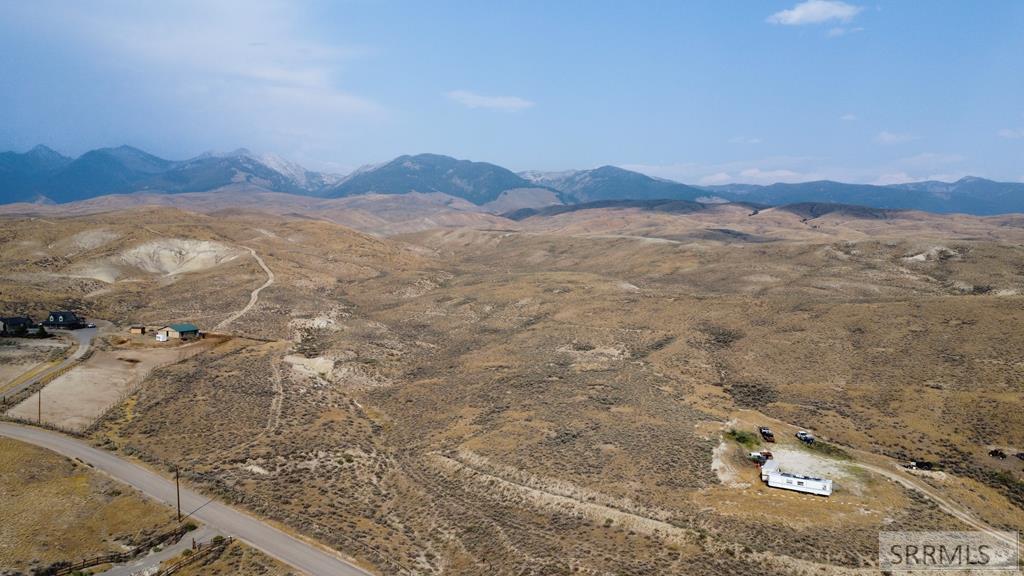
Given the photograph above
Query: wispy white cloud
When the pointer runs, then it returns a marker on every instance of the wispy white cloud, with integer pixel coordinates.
(888, 179)
(887, 137)
(848, 117)
(763, 171)
(893, 178)
(946, 167)
(1011, 133)
(744, 140)
(931, 160)
(474, 100)
(815, 12)
(842, 31)
(253, 70)
(716, 178)
(759, 176)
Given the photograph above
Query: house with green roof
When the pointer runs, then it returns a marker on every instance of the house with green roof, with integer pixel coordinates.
(183, 331)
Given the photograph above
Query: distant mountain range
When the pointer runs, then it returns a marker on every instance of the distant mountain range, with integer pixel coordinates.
(43, 175)
(968, 195)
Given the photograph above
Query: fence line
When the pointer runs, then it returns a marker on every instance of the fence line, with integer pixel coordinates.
(201, 552)
(117, 557)
(15, 399)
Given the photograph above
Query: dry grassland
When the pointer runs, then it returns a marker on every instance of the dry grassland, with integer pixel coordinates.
(55, 509)
(551, 399)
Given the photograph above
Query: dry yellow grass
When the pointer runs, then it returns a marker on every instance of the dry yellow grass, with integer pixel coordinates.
(57, 510)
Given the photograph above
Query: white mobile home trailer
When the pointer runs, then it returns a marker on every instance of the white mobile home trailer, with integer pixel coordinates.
(776, 478)
(808, 484)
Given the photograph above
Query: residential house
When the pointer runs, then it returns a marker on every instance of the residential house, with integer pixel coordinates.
(184, 331)
(64, 319)
(15, 325)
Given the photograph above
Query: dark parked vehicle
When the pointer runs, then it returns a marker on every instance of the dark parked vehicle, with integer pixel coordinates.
(766, 433)
(997, 453)
(805, 437)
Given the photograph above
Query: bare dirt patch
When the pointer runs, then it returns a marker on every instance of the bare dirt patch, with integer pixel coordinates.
(74, 400)
(177, 255)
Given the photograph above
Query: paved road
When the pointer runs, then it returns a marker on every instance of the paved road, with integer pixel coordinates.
(225, 519)
(84, 338)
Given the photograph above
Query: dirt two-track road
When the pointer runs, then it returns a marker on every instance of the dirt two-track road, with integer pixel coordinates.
(305, 557)
(255, 296)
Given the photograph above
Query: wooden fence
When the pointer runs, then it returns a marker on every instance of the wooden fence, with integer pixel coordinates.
(116, 557)
(201, 552)
(41, 383)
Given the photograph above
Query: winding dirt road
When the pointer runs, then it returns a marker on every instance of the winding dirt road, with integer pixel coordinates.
(943, 503)
(896, 474)
(254, 297)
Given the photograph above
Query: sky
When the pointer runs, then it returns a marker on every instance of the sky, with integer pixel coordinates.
(700, 92)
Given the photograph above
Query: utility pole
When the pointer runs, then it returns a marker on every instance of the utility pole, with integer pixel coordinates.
(177, 490)
(39, 408)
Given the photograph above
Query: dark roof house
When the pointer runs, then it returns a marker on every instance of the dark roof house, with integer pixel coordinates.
(14, 324)
(64, 319)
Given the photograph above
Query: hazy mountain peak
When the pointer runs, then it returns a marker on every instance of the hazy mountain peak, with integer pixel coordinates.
(125, 150)
(478, 182)
(292, 170)
(614, 183)
(43, 151)
(238, 152)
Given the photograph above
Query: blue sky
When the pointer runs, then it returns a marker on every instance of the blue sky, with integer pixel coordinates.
(702, 92)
